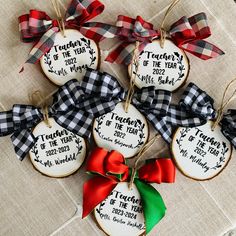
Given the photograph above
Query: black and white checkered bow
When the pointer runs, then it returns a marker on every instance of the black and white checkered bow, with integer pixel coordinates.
(105, 92)
(65, 110)
(195, 108)
(75, 105)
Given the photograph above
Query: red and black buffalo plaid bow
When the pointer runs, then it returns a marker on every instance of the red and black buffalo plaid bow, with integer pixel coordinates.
(38, 27)
(186, 33)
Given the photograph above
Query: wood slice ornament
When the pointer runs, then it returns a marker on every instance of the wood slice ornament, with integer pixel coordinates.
(70, 56)
(121, 213)
(57, 152)
(121, 131)
(165, 68)
(200, 152)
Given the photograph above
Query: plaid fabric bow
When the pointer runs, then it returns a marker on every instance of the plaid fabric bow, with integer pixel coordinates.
(196, 108)
(65, 110)
(186, 33)
(105, 92)
(38, 27)
(130, 30)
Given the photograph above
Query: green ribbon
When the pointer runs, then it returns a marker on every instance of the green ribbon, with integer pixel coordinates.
(153, 205)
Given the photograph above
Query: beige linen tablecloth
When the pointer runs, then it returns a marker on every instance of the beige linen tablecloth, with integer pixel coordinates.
(32, 204)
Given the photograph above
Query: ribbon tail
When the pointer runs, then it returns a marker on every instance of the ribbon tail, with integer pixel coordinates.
(95, 191)
(77, 121)
(82, 11)
(161, 170)
(124, 52)
(153, 204)
(188, 34)
(202, 49)
(23, 141)
(164, 128)
(43, 46)
(98, 31)
(6, 123)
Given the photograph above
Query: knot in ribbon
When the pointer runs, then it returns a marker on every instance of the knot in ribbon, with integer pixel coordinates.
(38, 27)
(132, 30)
(195, 108)
(105, 92)
(65, 110)
(186, 33)
(109, 169)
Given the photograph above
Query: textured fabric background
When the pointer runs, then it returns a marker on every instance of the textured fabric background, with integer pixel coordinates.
(32, 204)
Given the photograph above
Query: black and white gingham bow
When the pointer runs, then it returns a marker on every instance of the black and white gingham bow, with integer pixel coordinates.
(195, 108)
(105, 92)
(65, 110)
(75, 105)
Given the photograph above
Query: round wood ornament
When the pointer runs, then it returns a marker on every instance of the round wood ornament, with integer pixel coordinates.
(121, 213)
(200, 152)
(70, 56)
(121, 131)
(165, 68)
(57, 152)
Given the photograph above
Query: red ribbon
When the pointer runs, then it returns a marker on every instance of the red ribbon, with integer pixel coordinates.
(38, 27)
(32, 27)
(36, 23)
(186, 33)
(111, 169)
(130, 30)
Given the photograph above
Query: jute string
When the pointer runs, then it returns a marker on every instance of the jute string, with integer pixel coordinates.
(60, 20)
(224, 103)
(37, 99)
(140, 155)
(162, 28)
(134, 64)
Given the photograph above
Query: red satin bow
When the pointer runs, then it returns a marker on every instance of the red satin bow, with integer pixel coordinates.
(111, 169)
